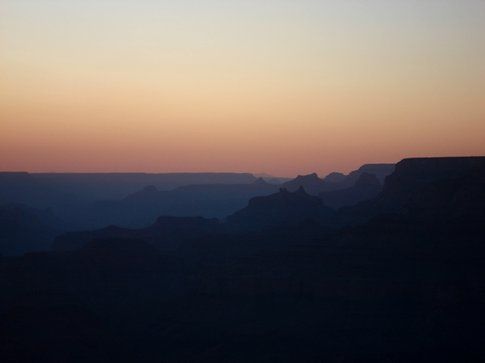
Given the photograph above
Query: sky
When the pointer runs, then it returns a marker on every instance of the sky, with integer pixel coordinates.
(276, 86)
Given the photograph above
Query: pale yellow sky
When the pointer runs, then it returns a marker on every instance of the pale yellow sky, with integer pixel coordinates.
(284, 87)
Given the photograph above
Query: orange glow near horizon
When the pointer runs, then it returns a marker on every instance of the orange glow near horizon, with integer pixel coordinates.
(281, 87)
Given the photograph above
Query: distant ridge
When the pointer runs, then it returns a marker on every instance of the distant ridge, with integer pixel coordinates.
(44, 189)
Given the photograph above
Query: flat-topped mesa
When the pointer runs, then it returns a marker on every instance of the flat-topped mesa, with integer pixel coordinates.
(415, 171)
(438, 189)
(440, 166)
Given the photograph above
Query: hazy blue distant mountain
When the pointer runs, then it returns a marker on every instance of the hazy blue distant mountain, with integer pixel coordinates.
(75, 196)
(44, 189)
(206, 200)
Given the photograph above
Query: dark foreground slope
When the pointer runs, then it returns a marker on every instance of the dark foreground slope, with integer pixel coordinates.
(404, 284)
